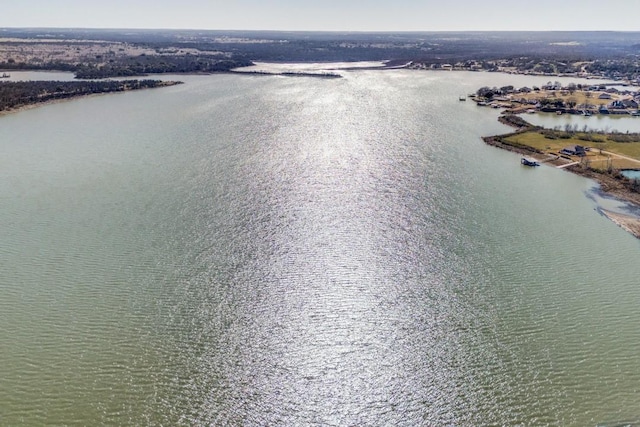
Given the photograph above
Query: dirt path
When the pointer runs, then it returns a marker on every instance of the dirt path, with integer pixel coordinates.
(621, 156)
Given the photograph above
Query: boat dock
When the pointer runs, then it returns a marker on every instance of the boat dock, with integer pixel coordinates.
(527, 162)
(567, 165)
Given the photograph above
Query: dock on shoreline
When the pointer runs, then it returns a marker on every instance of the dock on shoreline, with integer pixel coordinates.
(610, 180)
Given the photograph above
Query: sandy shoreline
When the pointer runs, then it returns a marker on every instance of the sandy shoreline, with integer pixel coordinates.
(626, 222)
(42, 104)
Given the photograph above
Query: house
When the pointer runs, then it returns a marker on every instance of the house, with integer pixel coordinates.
(604, 95)
(624, 104)
(574, 150)
(616, 104)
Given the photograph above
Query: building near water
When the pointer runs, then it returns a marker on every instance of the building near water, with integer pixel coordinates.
(574, 150)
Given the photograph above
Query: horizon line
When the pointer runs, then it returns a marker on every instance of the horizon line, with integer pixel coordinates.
(2, 28)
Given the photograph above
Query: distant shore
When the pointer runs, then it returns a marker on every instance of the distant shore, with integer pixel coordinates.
(287, 74)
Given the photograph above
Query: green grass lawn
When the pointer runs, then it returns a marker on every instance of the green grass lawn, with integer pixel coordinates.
(537, 140)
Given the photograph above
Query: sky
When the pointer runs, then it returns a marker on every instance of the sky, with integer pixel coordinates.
(326, 15)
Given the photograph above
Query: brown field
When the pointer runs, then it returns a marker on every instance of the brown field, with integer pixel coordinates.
(580, 97)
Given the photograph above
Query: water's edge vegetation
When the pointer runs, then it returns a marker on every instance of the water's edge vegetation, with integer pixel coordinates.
(21, 94)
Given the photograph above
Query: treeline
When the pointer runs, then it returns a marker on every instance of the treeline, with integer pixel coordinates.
(145, 64)
(135, 66)
(592, 135)
(38, 66)
(628, 68)
(18, 94)
(563, 64)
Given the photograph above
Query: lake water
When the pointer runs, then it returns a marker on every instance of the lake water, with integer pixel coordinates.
(251, 250)
(597, 122)
(17, 76)
(633, 174)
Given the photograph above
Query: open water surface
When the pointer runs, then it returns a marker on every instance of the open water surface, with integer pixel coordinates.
(595, 122)
(251, 250)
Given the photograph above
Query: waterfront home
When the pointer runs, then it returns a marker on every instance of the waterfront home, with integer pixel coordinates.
(604, 95)
(574, 150)
(625, 104)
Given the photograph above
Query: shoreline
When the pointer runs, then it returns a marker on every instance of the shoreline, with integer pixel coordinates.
(609, 185)
(629, 223)
(32, 105)
(287, 74)
(612, 81)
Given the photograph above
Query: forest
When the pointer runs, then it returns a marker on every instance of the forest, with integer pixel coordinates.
(18, 94)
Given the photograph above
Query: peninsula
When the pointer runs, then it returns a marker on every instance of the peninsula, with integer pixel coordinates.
(17, 95)
(601, 156)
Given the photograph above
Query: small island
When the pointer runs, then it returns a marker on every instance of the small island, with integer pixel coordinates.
(18, 95)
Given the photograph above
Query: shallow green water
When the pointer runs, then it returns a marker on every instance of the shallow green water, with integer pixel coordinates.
(293, 251)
